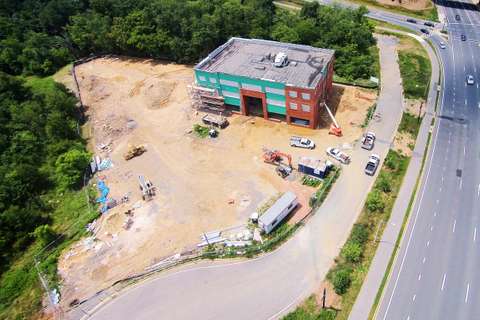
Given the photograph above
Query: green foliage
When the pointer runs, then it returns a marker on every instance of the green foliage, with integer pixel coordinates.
(317, 199)
(69, 168)
(44, 234)
(410, 124)
(384, 182)
(201, 131)
(369, 116)
(311, 181)
(309, 310)
(352, 252)
(375, 202)
(359, 233)
(341, 280)
(415, 70)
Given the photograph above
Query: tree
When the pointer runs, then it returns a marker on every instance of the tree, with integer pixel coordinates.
(44, 234)
(375, 202)
(70, 167)
(384, 182)
(359, 233)
(341, 280)
(352, 251)
(310, 9)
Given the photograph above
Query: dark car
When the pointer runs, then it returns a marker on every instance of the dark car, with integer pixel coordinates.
(411, 20)
(425, 31)
(463, 37)
(457, 17)
(429, 24)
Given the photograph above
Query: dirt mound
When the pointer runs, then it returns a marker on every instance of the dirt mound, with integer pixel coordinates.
(156, 90)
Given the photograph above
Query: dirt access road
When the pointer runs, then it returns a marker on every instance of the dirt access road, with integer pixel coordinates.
(202, 184)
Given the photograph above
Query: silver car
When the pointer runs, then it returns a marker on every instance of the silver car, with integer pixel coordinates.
(470, 80)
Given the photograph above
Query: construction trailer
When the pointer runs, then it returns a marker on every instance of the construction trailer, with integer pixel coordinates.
(314, 167)
(276, 213)
(274, 80)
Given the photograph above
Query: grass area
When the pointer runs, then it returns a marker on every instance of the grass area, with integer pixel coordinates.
(425, 14)
(20, 289)
(369, 116)
(310, 310)
(383, 24)
(318, 197)
(410, 123)
(40, 85)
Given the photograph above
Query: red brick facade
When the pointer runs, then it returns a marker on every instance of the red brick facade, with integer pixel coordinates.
(297, 107)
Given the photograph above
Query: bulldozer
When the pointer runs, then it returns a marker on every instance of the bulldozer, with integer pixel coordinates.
(134, 151)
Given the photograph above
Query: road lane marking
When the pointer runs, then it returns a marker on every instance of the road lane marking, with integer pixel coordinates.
(461, 184)
(431, 228)
(443, 281)
(466, 293)
(475, 234)
(454, 224)
(428, 243)
(478, 190)
(435, 214)
(414, 296)
(440, 189)
(464, 150)
(465, 101)
(419, 276)
(424, 259)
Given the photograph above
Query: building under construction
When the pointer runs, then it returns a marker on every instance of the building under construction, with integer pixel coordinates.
(265, 78)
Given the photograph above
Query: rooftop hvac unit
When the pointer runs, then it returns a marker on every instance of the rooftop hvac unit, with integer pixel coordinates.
(281, 60)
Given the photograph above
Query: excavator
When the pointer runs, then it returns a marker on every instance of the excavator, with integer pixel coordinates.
(275, 157)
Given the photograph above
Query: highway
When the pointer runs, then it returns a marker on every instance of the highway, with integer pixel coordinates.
(435, 275)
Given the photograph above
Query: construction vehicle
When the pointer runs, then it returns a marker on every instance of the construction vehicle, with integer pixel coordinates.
(334, 127)
(147, 188)
(275, 157)
(134, 151)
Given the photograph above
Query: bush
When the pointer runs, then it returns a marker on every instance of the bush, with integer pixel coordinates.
(44, 234)
(384, 182)
(352, 251)
(200, 131)
(341, 280)
(310, 181)
(70, 167)
(359, 233)
(375, 202)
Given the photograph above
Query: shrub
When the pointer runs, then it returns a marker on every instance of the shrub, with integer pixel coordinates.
(352, 251)
(384, 182)
(341, 281)
(200, 131)
(310, 181)
(359, 233)
(375, 202)
(70, 167)
(44, 234)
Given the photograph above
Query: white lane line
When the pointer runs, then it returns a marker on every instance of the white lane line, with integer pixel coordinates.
(460, 184)
(419, 276)
(475, 234)
(465, 101)
(464, 150)
(428, 243)
(435, 214)
(478, 190)
(440, 189)
(454, 224)
(443, 281)
(466, 293)
(414, 296)
(424, 259)
(431, 228)
(438, 200)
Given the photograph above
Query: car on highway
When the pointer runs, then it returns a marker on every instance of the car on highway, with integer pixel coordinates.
(429, 24)
(411, 20)
(336, 154)
(425, 31)
(442, 45)
(368, 140)
(372, 164)
(457, 17)
(463, 37)
(470, 80)
(301, 142)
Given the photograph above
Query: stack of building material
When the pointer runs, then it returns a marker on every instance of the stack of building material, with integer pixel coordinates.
(314, 167)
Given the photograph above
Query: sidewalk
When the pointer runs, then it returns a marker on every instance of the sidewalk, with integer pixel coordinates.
(366, 297)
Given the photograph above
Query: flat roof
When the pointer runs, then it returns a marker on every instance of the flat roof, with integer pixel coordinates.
(272, 213)
(253, 58)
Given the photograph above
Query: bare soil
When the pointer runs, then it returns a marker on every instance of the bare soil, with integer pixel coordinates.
(415, 5)
(202, 184)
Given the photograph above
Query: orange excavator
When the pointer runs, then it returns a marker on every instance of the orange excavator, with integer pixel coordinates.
(334, 127)
(275, 157)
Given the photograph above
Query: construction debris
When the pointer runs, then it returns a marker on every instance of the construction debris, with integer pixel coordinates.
(147, 188)
(134, 151)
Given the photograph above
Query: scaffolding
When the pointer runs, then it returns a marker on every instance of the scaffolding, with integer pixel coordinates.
(206, 98)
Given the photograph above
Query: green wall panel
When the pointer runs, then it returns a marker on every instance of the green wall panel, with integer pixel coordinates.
(276, 109)
(275, 96)
(232, 101)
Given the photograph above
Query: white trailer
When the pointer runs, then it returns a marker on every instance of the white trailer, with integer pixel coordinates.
(276, 213)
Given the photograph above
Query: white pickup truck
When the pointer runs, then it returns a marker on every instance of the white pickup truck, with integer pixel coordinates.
(301, 142)
(338, 155)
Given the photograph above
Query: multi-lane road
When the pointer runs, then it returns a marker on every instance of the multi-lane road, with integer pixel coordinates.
(436, 273)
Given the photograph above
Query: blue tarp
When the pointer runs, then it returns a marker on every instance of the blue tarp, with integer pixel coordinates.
(104, 190)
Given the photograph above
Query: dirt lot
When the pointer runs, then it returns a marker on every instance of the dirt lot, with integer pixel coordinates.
(202, 184)
(409, 4)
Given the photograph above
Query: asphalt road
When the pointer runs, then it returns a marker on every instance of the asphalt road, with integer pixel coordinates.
(435, 275)
(266, 287)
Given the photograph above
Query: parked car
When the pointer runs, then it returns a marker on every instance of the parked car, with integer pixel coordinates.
(429, 24)
(470, 80)
(411, 20)
(368, 140)
(338, 155)
(372, 164)
(457, 17)
(463, 37)
(301, 142)
(425, 31)
(442, 45)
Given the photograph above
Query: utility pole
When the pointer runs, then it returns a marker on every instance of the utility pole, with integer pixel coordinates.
(324, 298)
